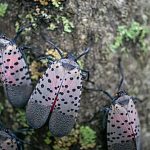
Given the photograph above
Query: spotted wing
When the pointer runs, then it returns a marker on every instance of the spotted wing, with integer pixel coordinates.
(15, 76)
(3, 43)
(63, 116)
(7, 142)
(69, 96)
(119, 130)
(135, 123)
(44, 95)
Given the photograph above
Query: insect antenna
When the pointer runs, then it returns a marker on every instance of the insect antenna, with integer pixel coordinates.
(121, 73)
(100, 90)
(84, 53)
(54, 45)
(20, 31)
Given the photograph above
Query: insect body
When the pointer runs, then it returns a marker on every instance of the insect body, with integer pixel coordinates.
(57, 96)
(123, 127)
(14, 73)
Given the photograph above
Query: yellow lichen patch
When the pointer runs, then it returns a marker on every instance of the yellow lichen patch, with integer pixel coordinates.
(81, 63)
(43, 2)
(46, 2)
(34, 69)
(54, 53)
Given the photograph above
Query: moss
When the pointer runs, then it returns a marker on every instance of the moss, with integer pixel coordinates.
(3, 9)
(47, 139)
(80, 135)
(1, 108)
(21, 118)
(34, 69)
(56, 3)
(52, 26)
(68, 25)
(87, 137)
(135, 34)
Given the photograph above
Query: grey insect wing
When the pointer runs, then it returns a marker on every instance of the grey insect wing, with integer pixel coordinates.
(14, 74)
(123, 127)
(60, 124)
(43, 96)
(65, 112)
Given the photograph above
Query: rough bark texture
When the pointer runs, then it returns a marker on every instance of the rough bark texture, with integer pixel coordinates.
(95, 23)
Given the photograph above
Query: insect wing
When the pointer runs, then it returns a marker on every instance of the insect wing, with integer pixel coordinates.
(135, 123)
(43, 96)
(15, 77)
(3, 43)
(119, 131)
(63, 116)
(7, 142)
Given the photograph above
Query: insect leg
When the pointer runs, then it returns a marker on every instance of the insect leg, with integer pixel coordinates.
(85, 74)
(20, 145)
(24, 47)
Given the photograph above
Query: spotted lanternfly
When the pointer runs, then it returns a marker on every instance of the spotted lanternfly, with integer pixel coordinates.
(123, 126)
(57, 96)
(14, 72)
(9, 141)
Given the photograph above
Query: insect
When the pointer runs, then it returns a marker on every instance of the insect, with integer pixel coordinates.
(123, 126)
(8, 140)
(57, 95)
(14, 72)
